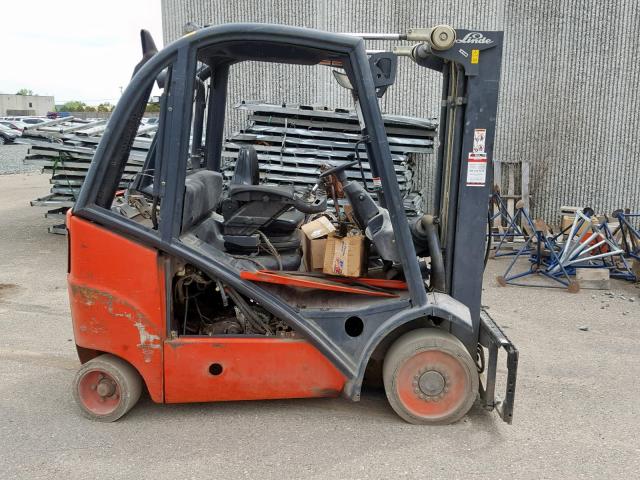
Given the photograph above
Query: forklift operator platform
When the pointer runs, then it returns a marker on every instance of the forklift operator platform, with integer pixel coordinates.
(194, 285)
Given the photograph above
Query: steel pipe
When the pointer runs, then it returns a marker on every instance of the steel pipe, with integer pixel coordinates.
(378, 36)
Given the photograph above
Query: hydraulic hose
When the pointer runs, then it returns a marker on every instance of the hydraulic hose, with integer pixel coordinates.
(427, 228)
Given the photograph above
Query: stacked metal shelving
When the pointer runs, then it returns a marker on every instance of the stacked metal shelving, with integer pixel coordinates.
(293, 142)
(64, 149)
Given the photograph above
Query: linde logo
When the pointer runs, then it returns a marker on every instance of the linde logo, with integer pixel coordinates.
(475, 37)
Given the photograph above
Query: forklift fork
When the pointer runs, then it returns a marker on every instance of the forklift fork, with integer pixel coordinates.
(493, 339)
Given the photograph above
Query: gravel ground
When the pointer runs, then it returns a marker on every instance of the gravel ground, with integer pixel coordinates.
(12, 159)
(576, 415)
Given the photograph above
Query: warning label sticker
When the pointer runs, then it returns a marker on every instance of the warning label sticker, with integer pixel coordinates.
(477, 170)
(479, 139)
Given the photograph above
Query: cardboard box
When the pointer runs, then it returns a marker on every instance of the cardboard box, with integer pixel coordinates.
(344, 256)
(313, 253)
(313, 240)
(319, 228)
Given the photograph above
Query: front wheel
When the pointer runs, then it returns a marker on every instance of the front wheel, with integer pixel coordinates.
(106, 388)
(2, 141)
(429, 377)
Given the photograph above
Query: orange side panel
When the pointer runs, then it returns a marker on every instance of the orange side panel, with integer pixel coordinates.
(116, 292)
(247, 369)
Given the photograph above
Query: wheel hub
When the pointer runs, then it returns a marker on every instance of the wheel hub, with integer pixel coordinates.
(98, 392)
(431, 383)
(106, 387)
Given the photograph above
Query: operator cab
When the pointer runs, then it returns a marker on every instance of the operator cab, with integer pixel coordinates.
(257, 224)
(216, 222)
(223, 210)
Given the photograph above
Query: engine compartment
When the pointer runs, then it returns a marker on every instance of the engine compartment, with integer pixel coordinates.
(207, 307)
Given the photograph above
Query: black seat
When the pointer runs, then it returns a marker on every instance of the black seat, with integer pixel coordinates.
(250, 207)
(244, 208)
(247, 171)
(202, 193)
(249, 213)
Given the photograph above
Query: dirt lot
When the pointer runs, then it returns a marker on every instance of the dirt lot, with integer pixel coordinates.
(577, 409)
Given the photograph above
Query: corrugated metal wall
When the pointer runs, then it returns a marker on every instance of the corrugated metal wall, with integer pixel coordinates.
(568, 105)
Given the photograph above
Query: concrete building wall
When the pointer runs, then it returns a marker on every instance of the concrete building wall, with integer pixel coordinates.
(28, 105)
(567, 105)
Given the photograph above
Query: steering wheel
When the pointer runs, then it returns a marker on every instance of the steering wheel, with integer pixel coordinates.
(316, 206)
(338, 169)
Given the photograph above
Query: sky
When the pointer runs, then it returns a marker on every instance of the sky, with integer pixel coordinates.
(74, 50)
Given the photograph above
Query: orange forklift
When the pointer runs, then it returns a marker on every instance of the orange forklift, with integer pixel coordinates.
(191, 285)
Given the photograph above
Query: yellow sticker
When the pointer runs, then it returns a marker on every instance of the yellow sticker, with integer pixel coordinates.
(475, 56)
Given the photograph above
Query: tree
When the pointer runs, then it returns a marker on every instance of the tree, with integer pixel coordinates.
(74, 106)
(24, 91)
(105, 107)
(152, 108)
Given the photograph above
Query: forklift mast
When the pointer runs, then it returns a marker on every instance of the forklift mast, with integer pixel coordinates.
(464, 176)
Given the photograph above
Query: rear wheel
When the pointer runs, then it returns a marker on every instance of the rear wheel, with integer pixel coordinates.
(429, 377)
(2, 141)
(106, 388)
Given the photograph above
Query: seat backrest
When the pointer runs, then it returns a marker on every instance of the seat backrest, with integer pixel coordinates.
(247, 171)
(202, 192)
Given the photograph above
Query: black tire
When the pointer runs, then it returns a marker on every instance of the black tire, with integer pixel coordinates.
(429, 377)
(106, 388)
(2, 141)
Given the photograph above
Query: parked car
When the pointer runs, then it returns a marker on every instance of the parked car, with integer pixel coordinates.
(16, 125)
(33, 120)
(27, 120)
(7, 135)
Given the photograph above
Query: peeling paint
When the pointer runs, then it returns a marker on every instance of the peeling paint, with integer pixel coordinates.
(145, 337)
(118, 309)
(148, 342)
(86, 295)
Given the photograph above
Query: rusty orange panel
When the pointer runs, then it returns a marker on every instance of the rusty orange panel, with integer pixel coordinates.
(116, 293)
(248, 368)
